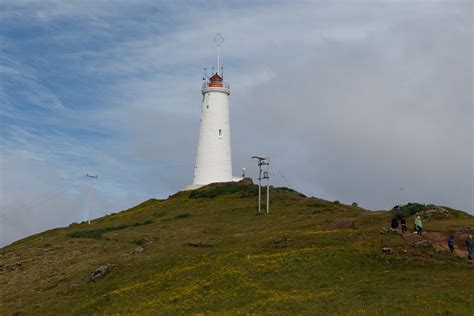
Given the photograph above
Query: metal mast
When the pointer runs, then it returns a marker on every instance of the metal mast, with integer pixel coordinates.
(263, 162)
(91, 178)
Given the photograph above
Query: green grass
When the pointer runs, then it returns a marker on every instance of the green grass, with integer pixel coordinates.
(308, 256)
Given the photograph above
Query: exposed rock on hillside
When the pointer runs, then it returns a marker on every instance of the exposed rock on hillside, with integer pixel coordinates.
(101, 271)
(435, 212)
(466, 230)
(423, 244)
(246, 181)
(10, 267)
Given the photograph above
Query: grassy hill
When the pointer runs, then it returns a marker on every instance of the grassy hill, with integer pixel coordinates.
(207, 251)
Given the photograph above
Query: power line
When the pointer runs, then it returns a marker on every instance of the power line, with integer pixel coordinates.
(91, 178)
(281, 175)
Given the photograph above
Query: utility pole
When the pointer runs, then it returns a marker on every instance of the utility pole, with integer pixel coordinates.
(265, 176)
(263, 162)
(91, 178)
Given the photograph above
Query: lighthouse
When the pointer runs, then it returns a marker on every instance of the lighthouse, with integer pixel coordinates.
(213, 158)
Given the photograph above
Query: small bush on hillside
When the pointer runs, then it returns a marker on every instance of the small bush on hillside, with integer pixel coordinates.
(337, 202)
(318, 205)
(355, 204)
(285, 189)
(410, 209)
(223, 189)
(183, 215)
(97, 233)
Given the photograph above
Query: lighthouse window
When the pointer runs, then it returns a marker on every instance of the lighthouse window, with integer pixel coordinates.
(220, 133)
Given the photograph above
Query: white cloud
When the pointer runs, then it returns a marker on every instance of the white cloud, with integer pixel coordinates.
(351, 100)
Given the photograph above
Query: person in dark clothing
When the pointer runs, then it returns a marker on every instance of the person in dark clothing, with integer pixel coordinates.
(404, 225)
(451, 242)
(394, 224)
(469, 248)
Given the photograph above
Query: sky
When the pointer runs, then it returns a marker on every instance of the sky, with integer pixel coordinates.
(356, 101)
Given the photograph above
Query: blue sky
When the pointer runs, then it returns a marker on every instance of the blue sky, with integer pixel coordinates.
(355, 101)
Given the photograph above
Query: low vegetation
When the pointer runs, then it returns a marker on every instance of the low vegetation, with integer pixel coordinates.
(208, 252)
(213, 191)
(98, 232)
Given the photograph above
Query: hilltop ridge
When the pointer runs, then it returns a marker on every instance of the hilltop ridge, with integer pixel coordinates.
(206, 251)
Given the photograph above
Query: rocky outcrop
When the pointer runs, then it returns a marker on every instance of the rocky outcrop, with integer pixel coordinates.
(101, 271)
(466, 230)
(246, 181)
(435, 212)
(137, 250)
(10, 267)
(423, 244)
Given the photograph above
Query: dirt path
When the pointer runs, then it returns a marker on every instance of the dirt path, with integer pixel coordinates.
(439, 241)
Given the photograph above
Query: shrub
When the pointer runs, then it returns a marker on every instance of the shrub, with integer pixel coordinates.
(318, 205)
(139, 242)
(354, 204)
(183, 215)
(97, 233)
(337, 202)
(285, 189)
(410, 209)
(210, 192)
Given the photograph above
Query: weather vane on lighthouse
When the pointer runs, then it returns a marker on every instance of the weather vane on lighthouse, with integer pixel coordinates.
(213, 158)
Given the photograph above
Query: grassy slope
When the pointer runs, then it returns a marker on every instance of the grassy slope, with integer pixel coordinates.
(305, 257)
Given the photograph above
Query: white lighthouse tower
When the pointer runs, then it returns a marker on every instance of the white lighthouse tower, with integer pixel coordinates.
(213, 160)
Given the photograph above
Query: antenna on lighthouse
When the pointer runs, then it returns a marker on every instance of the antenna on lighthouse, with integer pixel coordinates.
(218, 40)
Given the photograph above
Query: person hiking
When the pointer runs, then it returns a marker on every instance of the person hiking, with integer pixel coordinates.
(418, 224)
(394, 225)
(451, 242)
(403, 221)
(469, 248)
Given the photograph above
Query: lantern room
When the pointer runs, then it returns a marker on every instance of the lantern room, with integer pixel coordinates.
(215, 81)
